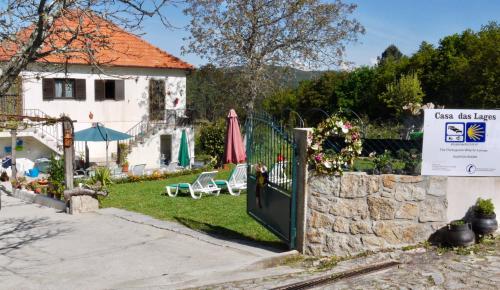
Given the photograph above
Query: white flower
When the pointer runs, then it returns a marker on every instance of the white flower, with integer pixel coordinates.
(315, 146)
(339, 124)
(327, 164)
(344, 129)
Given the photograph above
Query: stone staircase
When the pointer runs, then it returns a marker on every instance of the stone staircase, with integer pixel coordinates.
(146, 128)
(49, 135)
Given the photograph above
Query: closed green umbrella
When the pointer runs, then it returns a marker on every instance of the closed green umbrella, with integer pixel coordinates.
(184, 159)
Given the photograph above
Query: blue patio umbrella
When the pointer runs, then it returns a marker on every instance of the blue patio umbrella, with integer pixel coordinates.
(183, 156)
(99, 133)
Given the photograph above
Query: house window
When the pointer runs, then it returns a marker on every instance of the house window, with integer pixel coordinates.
(64, 88)
(109, 90)
(72, 89)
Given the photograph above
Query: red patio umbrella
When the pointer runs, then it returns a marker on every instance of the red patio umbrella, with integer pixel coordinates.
(234, 151)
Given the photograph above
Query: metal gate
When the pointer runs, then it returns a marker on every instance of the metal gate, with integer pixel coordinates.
(271, 178)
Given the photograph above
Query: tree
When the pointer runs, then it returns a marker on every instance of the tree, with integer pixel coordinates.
(403, 92)
(257, 34)
(34, 31)
(391, 52)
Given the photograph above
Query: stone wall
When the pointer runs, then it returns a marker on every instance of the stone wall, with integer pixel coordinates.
(359, 212)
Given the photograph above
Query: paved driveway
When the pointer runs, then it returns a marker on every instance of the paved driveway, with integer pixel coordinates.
(41, 248)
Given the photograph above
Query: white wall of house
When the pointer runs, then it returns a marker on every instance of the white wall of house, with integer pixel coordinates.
(462, 193)
(32, 148)
(149, 151)
(118, 115)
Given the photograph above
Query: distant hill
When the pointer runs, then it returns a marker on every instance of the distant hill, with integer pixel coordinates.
(295, 76)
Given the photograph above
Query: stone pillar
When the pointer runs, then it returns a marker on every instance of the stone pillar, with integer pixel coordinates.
(300, 136)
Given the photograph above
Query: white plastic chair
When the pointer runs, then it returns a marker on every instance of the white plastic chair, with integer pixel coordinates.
(203, 184)
(237, 180)
(277, 174)
(138, 170)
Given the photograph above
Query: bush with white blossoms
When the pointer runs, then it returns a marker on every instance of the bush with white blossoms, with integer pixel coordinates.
(333, 163)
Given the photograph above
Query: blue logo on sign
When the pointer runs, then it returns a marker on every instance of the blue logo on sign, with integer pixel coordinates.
(455, 132)
(475, 132)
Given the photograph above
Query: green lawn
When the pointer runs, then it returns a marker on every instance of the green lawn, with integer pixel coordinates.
(222, 215)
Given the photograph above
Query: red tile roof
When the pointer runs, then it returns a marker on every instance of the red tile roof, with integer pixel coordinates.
(113, 46)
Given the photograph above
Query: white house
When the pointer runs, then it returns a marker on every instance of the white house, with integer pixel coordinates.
(141, 90)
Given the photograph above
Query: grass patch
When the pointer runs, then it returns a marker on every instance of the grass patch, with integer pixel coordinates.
(223, 215)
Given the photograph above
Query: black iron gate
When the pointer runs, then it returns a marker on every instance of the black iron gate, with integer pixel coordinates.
(271, 178)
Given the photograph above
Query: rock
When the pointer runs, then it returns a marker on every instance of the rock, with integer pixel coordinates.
(389, 180)
(372, 242)
(319, 203)
(361, 227)
(373, 184)
(410, 179)
(320, 220)
(341, 225)
(313, 250)
(410, 233)
(349, 207)
(343, 245)
(407, 211)
(83, 204)
(353, 185)
(437, 185)
(433, 210)
(409, 192)
(314, 236)
(387, 192)
(327, 185)
(381, 208)
(384, 231)
(403, 192)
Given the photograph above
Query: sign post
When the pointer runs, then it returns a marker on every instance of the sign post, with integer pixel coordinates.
(461, 142)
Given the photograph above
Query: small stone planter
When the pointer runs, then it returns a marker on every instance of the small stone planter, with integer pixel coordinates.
(459, 234)
(484, 224)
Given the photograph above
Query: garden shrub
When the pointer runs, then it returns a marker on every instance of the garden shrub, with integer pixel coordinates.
(212, 138)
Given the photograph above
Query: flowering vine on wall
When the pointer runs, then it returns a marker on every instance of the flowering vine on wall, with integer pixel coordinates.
(329, 161)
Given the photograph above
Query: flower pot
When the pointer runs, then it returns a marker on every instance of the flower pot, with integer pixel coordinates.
(460, 235)
(484, 224)
(125, 168)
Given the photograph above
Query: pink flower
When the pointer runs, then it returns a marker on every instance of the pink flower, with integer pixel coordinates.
(318, 157)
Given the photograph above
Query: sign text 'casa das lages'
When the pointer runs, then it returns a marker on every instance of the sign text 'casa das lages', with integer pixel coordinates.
(461, 142)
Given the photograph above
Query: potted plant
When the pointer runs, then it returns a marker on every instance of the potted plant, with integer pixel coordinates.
(56, 177)
(484, 221)
(459, 233)
(122, 156)
(124, 166)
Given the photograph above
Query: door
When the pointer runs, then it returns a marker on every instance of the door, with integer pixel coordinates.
(157, 95)
(271, 181)
(166, 149)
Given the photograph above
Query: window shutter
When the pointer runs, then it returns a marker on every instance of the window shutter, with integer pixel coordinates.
(48, 89)
(99, 90)
(80, 89)
(120, 90)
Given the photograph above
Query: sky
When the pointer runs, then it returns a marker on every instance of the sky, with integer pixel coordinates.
(404, 23)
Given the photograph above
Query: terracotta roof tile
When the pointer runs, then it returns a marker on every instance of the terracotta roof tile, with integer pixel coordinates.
(113, 47)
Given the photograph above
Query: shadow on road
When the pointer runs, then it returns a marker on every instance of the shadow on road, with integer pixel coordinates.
(230, 235)
(16, 233)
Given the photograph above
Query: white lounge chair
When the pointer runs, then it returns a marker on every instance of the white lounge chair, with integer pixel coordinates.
(237, 180)
(203, 184)
(277, 174)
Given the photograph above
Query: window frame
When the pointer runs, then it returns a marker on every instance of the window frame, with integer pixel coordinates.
(64, 80)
